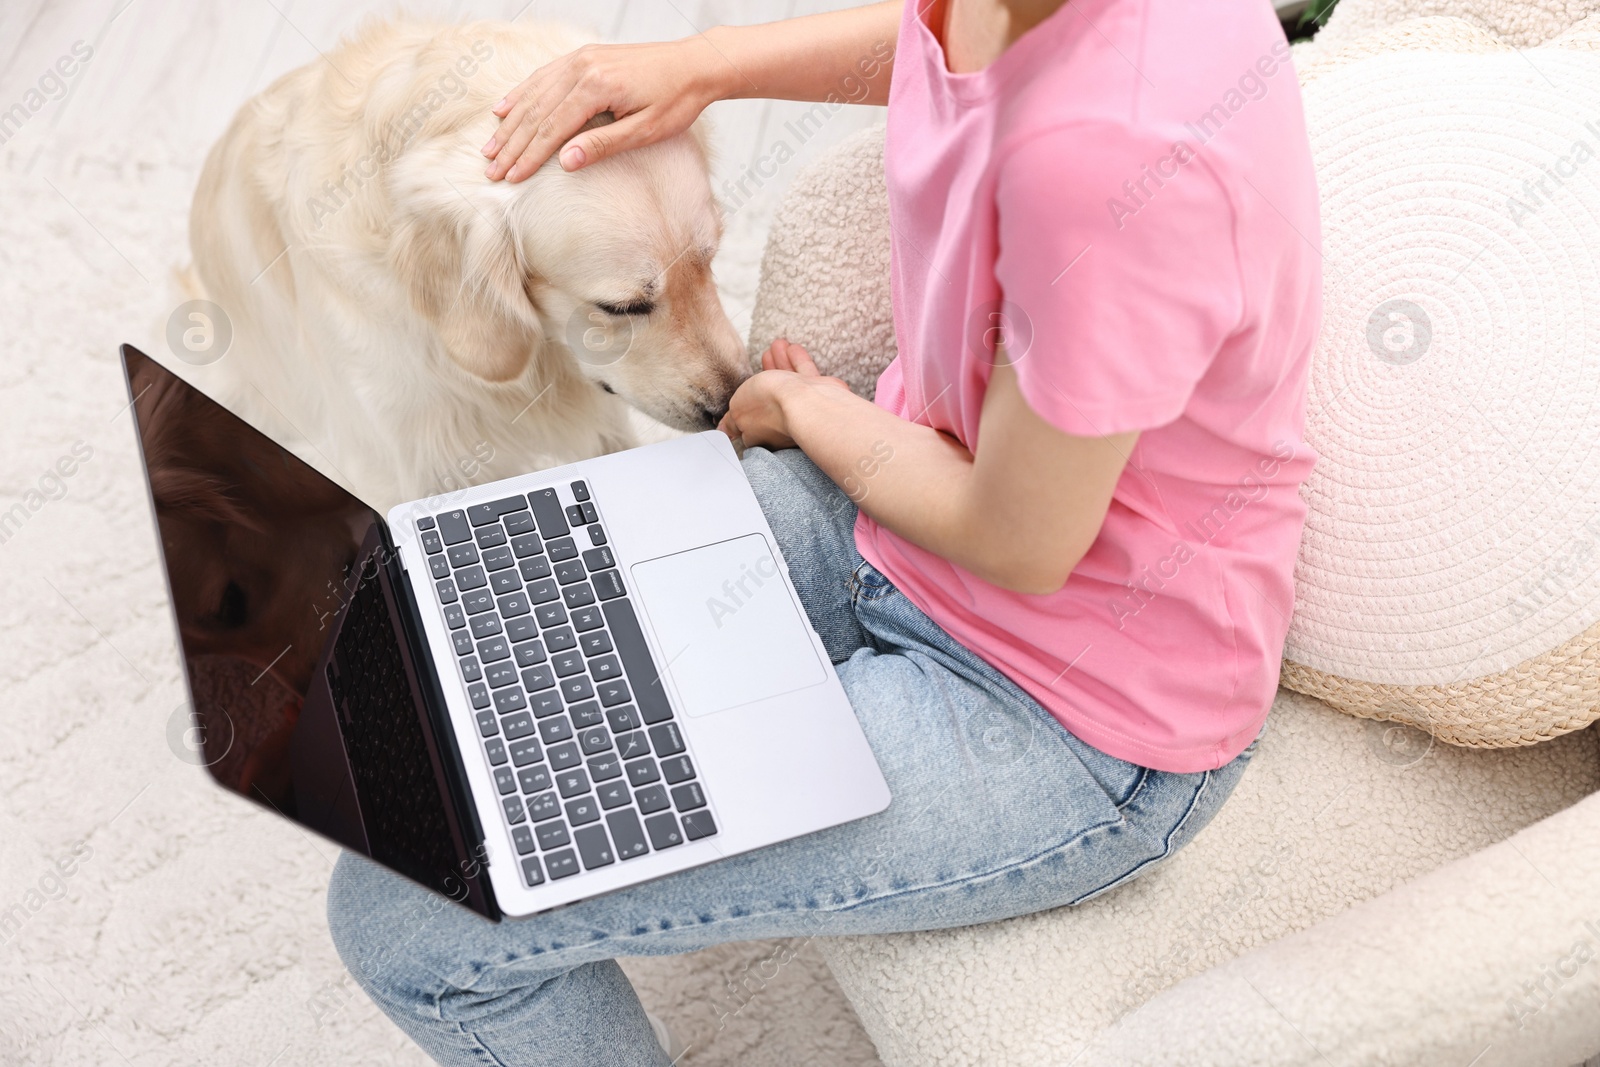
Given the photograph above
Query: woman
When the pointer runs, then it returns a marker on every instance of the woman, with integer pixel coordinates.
(1060, 606)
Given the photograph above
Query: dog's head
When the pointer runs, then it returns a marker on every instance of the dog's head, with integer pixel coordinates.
(608, 269)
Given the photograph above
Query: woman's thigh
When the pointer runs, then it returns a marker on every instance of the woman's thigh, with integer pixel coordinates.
(973, 833)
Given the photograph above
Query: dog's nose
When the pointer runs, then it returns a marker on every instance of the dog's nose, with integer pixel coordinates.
(712, 416)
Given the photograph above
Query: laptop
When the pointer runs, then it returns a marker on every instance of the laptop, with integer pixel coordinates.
(520, 694)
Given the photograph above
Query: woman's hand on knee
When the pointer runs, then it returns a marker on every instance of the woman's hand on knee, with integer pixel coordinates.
(655, 91)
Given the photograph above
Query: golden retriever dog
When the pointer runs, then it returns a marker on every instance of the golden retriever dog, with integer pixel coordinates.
(400, 319)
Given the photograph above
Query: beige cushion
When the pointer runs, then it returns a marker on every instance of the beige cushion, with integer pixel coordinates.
(1450, 572)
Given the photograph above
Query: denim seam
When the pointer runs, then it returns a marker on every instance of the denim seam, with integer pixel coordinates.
(1166, 844)
(1138, 787)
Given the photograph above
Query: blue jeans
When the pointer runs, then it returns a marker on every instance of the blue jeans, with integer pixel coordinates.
(997, 811)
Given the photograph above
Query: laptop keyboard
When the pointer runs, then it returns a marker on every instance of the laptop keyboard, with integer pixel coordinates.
(582, 746)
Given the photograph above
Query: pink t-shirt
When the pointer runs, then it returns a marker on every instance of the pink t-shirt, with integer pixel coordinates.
(1126, 198)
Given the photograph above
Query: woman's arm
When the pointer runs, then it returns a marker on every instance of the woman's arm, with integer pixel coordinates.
(1019, 513)
(658, 90)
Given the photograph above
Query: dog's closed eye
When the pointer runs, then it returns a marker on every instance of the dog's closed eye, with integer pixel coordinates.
(638, 307)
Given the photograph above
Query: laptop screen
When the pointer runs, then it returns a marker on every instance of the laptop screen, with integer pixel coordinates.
(305, 697)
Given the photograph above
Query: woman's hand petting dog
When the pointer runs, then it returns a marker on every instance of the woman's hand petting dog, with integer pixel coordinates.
(654, 90)
(756, 413)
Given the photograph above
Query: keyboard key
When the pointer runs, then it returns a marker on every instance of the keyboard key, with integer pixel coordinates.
(431, 541)
(479, 600)
(586, 713)
(534, 568)
(605, 668)
(623, 718)
(544, 806)
(574, 514)
(576, 596)
(580, 491)
(494, 649)
(593, 644)
(564, 756)
(535, 779)
(643, 772)
(463, 555)
(594, 740)
(479, 514)
(547, 509)
(521, 630)
(570, 571)
(597, 536)
(489, 537)
(583, 810)
(652, 798)
(454, 616)
(546, 703)
(567, 664)
(550, 615)
(605, 767)
(560, 639)
(427, 523)
(439, 566)
(531, 874)
(539, 677)
(552, 834)
(561, 864)
(479, 694)
(613, 794)
(573, 783)
(485, 625)
(453, 527)
(522, 837)
(555, 728)
(588, 618)
(526, 750)
(505, 780)
(498, 559)
(577, 688)
(501, 674)
(543, 591)
(608, 585)
(446, 588)
(528, 652)
(496, 750)
(677, 769)
(687, 797)
(470, 671)
(627, 834)
(598, 559)
(471, 578)
(527, 544)
(665, 739)
(513, 606)
(487, 726)
(663, 830)
(503, 582)
(614, 692)
(513, 809)
(632, 745)
(636, 660)
(517, 725)
(561, 548)
(518, 522)
(698, 824)
(594, 848)
(590, 515)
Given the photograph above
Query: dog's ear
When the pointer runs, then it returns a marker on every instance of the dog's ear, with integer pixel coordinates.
(466, 279)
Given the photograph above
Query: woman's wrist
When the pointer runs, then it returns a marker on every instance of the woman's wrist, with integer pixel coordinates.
(720, 76)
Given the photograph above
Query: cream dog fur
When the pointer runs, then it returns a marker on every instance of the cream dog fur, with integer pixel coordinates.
(415, 327)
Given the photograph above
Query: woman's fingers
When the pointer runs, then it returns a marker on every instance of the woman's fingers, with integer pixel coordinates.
(602, 142)
(802, 363)
(554, 116)
(517, 103)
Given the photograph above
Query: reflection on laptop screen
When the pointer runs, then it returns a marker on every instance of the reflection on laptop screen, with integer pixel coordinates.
(305, 699)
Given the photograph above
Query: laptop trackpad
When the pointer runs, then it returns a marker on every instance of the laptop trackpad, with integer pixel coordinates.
(729, 629)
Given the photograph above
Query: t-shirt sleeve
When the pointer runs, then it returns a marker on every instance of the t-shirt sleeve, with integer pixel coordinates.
(1119, 274)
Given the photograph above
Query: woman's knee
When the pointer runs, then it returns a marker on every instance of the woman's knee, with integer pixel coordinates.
(385, 928)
